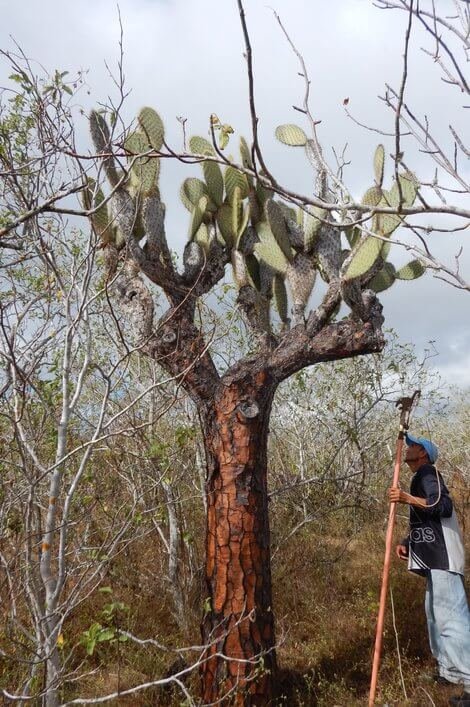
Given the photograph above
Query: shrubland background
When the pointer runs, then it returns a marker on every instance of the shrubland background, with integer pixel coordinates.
(135, 546)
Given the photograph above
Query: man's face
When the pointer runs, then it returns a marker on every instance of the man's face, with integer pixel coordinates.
(415, 453)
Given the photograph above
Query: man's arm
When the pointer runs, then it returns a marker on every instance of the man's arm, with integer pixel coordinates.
(396, 495)
(437, 502)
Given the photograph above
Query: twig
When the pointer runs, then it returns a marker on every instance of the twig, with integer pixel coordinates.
(398, 155)
(392, 605)
(254, 118)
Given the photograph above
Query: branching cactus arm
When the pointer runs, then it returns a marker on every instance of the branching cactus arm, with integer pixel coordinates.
(135, 218)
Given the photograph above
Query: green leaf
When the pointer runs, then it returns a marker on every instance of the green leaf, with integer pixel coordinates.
(90, 646)
(411, 270)
(224, 137)
(291, 134)
(106, 634)
(19, 78)
(223, 140)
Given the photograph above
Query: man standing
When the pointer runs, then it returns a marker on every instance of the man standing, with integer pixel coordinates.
(434, 548)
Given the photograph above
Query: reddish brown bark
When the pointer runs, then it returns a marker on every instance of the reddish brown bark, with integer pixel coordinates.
(238, 626)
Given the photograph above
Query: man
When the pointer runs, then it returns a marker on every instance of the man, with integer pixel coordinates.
(434, 548)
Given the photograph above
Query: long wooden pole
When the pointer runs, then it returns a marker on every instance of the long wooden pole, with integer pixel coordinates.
(405, 404)
(385, 575)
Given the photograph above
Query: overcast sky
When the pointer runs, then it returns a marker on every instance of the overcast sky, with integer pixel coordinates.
(185, 58)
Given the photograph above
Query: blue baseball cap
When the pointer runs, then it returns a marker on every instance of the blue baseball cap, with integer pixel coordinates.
(429, 447)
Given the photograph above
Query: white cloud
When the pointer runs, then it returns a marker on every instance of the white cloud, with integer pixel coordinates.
(457, 373)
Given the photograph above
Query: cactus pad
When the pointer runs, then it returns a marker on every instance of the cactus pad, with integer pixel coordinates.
(233, 178)
(312, 225)
(291, 135)
(379, 161)
(152, 126)
(280, 298)
(191, 191)
(214, 181)
(384, 278)
(277, 224)
(363, 257)
(411, 270)
(372, 197)
(224, 222)
(201, 146)
(269, 251)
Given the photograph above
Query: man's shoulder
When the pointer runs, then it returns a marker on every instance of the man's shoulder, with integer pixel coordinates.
(421, 476)
(426, 469)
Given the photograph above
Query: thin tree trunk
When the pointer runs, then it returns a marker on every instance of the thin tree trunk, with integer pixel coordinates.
(175, 559)
(238, 625)
(53, 672)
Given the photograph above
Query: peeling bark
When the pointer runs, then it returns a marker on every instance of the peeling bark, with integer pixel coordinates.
(239, 621)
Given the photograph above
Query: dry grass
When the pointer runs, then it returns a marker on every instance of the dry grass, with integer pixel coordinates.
(330, 610)
(326, 583)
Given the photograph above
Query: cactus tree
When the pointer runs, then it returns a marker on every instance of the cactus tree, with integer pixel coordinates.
(239, 229)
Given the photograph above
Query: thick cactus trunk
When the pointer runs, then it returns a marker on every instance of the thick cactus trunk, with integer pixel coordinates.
(238, 625)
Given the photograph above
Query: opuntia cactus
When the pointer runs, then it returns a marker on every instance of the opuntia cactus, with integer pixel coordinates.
(92, 197)
(367, 250)
(300, 275)
(135, 206)
(152, 125)
(379, 162)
